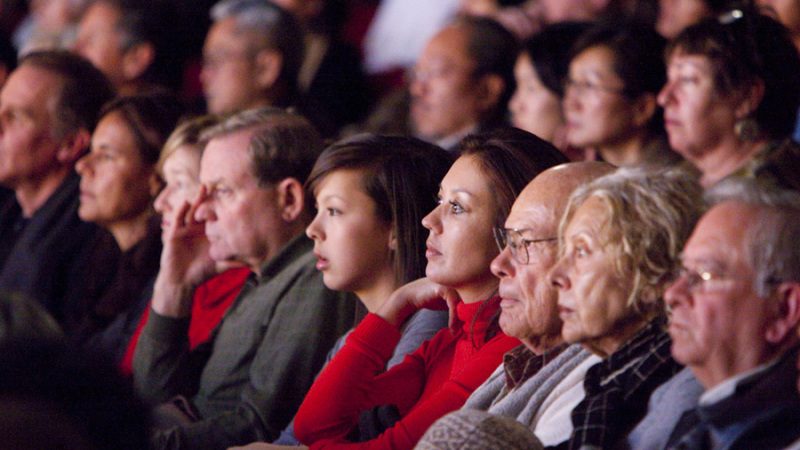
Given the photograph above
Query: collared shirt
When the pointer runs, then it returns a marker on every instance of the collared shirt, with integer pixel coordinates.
(520, 364)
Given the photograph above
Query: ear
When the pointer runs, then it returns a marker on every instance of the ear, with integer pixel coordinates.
(392, 240)
(73, 146)
(269, 64)
(787, 314)
(291, 199)
(750, 100)
(490, 89)
(644, 109)
(137, 59)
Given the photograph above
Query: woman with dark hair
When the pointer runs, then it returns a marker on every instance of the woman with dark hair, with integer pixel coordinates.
(731, 98)
(540, 72)
(475, 195)
(615, 73)
(118, 185)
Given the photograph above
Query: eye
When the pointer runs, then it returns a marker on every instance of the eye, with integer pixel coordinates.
(455, 207)
(581, 251)
(333, 212)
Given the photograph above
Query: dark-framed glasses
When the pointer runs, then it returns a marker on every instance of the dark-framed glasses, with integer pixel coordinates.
(519, 245)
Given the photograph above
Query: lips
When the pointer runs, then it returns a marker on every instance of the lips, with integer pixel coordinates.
(322, 262)
(565, 312)
(431, 251)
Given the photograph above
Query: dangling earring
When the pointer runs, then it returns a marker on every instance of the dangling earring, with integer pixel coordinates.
(747, 129)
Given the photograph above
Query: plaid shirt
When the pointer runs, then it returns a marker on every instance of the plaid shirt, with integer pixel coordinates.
(519, 363)
(618, 388)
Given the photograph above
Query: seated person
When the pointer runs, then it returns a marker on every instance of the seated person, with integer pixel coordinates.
(247, 381)
(735, 312)
(179, 168)
(118, 185)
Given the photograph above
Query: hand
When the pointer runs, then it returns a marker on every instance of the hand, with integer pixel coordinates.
(266, 446)
(422, 293)
(185, 262)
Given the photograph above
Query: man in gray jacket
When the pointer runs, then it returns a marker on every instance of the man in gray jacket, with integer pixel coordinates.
(247, 382)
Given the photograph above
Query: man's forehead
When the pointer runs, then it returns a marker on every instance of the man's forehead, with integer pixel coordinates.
(226, 154)
(720, 234)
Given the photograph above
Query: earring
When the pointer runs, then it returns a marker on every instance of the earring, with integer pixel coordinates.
(747, 129)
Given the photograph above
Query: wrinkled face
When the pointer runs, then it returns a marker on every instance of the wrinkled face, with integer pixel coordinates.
(460, 246)
(229, 66)
(182, 183)
(717, 322)
(351, 242)
(115, 181)
(101, 42)
(696, 116)
(597, 112)
(534, 107)
(592, 296)
(675, 15)
(28, 148)
(529, 305)
(242, 219)
(786, 11)
(444, 93)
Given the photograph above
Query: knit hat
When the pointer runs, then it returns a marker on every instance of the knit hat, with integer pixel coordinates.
(471, 429)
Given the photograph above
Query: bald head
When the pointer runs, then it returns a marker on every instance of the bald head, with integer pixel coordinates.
(547, 195)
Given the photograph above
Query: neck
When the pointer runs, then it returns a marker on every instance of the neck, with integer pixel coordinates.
(32, 194)
(540, 344)
(129, 232)
(375, 296)
(478, 291)
(607, 345)
(625, 153)
(726, 159)
(731, 364)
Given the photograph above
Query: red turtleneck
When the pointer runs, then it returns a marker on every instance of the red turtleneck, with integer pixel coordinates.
(429, 383)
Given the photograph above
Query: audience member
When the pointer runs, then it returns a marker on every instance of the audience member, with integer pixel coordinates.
(620, 239)
(179, 168)
(48, 109)
(735, 312)
(475, 195)
(128, 41)
(731, 98)
(462, 82)
(540, 72)
(531, 383)
(118, 185)
(371, 195)
(675, 16)
(246, 383)
(615, 73)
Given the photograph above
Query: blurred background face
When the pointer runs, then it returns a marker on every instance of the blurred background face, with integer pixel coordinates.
(182, 183)
(460, 246)
(350, 242)
(592, 297)
(596, 111)
(697, 117)
(675, 15)
(228, 75)
(100, 42)
(115, 182)
(443, 89)
(786, 11)
(534, 107)
(574, 10)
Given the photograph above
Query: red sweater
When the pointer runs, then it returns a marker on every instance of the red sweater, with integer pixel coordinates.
(210, 301)
(429, 383)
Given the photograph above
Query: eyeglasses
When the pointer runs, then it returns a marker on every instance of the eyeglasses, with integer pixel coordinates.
(519, 246)
(698, 280)
(586, 87)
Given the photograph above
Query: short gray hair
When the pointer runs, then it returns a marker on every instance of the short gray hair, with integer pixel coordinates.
(772, 242)
(270, 27)
(651, 215)
(284, 144)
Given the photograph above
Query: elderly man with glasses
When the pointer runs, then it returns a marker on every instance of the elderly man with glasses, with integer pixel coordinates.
(521, 387)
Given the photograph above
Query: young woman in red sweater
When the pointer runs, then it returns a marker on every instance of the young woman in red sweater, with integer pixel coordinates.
(474, 196)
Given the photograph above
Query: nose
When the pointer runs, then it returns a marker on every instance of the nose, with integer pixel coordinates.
(558, 274)
(83, 165)
(677, 292)
(433, 221)
(161, 204)
(502, 265)
(204, 211)
(665, 95)
(314, 230)
(515, 105)
(571, 99)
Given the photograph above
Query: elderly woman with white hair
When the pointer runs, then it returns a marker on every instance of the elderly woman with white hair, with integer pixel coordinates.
(620, 240)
